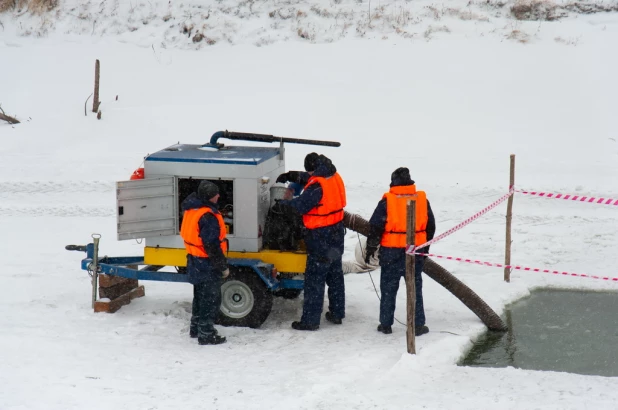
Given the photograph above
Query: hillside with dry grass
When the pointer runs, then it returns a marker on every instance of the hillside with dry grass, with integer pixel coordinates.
(197, 24)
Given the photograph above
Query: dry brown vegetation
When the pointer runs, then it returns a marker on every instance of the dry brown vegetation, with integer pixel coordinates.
(535, 10)
(6, 5)
(519, 36)
(547, 10)
(291, 18)
(35, 6)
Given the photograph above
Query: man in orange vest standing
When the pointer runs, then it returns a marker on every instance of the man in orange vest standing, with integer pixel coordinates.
(388, 230)
(203, 232)
(321, 205)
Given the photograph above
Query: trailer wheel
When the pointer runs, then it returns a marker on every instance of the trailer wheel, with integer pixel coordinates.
(245, 299)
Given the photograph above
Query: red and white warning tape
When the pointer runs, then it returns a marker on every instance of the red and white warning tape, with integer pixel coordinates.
(579, 198)
(410, 248)
(499, 265)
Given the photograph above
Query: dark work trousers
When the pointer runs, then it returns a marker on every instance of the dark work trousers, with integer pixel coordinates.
(392, 271)
(322, 271)
(206, 304)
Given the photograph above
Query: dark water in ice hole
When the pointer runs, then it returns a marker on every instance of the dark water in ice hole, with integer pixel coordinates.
(558, 330)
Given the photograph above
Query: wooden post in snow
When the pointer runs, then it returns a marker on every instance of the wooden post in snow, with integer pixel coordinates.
(509, 217)
(96, 102)
(410, 283)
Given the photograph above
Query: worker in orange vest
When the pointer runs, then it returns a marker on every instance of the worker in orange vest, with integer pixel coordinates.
(388, 231)
(321, 206)
(203, 232)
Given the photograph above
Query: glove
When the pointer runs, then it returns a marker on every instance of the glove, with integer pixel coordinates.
(225, 273)
(369, 254)
(290, 176)
(283, 178)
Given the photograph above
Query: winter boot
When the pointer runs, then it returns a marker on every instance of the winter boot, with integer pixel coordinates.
(211, 340)
(192, 333)
(332, 318)
(304, 326)
(420, 330)
(387, 330)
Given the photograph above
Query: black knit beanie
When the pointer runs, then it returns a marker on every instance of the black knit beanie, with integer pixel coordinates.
(207, 190)
(311, 162)
(401, 176)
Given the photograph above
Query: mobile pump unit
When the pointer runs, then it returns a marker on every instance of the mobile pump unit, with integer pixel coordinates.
(148, 207)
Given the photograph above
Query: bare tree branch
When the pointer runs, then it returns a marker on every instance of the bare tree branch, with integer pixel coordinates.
(7, 118)
(86, 103)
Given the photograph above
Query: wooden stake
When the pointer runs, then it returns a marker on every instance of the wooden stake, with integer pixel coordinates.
(95, 101)
(410, 283)
(509, 217)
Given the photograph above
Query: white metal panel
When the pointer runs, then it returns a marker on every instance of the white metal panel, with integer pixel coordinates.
(146, 208)
(210, 170)
(199, 170)
(245, 208)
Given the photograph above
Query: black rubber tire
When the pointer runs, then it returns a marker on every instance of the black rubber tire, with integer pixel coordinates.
(245, 299)
(288, 293)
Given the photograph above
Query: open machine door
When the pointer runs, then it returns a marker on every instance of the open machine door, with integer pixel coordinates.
(146, 208)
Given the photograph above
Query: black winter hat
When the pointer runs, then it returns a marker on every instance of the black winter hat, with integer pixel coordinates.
(311, 162)
(401, 176)
(207, 190)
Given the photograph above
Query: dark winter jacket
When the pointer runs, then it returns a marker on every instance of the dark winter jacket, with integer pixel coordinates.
(283, 228)
(198, 268)
(378, 222)
(326, 242)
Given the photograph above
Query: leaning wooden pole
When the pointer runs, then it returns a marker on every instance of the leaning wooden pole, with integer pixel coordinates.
(97, 72)
(509, 218)
(410, 283)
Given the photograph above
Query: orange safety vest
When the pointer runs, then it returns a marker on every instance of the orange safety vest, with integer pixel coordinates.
(190, 231)
(394, 235)
(329, 210)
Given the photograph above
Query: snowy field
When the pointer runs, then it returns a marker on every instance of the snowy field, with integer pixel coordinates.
(450, 105)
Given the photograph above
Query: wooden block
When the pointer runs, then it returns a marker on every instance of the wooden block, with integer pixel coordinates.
(111, 306)
(106, 281)
(118, 290)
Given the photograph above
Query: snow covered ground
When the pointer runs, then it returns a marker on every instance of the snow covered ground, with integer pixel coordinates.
(451, 106)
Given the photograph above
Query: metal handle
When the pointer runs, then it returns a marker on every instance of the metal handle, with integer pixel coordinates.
(81, 248)
(95, 267)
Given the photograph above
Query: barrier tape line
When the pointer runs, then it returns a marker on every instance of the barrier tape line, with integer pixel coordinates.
(578, 198)
(410, 248)
(499, 265)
